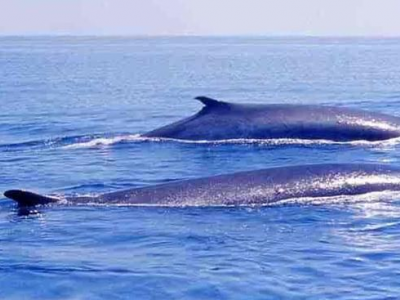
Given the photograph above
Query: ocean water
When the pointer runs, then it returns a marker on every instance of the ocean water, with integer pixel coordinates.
(71, 112)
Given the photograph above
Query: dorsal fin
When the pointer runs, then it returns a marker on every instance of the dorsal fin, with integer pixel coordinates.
(209, 102)
(25, 198)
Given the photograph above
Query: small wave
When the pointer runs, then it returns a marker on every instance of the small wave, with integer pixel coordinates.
(103, 140)
(109, 141)
(47, 143)
(28, 145)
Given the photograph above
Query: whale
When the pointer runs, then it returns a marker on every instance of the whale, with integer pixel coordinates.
(219, 120)
(247, 188)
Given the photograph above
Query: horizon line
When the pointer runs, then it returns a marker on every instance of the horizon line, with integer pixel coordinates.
(199, 35)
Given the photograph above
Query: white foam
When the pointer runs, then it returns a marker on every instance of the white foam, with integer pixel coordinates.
(104, 142)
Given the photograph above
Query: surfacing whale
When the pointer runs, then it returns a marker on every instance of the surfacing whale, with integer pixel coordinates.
(251, 188)
(223, 120)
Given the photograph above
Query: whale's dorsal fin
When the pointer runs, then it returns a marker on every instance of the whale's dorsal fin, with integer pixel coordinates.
(209, 102)
(25, 198)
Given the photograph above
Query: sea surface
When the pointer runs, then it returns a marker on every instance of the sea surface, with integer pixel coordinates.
(71, 111)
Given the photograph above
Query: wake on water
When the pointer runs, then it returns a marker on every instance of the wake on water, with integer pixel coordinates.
(137, 138)
(106, 140)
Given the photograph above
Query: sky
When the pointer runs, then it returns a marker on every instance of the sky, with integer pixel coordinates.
(201, 17)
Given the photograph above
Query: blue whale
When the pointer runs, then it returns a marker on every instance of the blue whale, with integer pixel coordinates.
(260, 187)
(222, 120)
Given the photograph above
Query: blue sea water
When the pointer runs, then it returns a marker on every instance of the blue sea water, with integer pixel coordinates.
(71, 111)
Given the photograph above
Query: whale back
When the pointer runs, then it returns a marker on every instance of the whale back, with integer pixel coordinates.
(264, 186)
(197, 124)
(257, 187)
(219, 120)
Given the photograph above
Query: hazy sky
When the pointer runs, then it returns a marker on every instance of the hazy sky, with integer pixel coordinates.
(201, 17)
